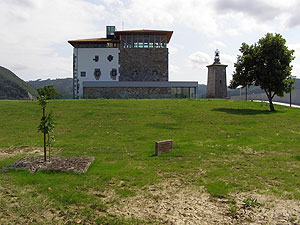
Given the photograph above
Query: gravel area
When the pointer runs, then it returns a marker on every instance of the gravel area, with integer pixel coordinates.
(60, 164)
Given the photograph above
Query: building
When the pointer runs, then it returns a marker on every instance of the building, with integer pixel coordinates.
(126, 64)
(216, 79)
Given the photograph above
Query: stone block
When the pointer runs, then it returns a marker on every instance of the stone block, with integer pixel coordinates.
(163, 147)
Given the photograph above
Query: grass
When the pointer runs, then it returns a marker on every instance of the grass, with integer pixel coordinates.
(239, 145)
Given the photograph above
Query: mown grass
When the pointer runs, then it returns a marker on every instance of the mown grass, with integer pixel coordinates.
(238, 146)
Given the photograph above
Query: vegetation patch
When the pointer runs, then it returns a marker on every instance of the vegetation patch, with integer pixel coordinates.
(227, 152)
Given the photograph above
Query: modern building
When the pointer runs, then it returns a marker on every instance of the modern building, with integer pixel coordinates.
(126, 64)
(216, 79)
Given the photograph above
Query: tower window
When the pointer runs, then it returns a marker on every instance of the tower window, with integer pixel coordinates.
(154, 72)
(110, 58)
(97, 74)
(96, 59)
(135, 73)
(113, 74)
(83, 74)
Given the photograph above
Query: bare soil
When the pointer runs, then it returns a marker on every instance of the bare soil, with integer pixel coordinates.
(13, 151)
(171, 202)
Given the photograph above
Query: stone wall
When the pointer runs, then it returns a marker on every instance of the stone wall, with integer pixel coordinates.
(143, 64)
(127, 92)
(216, 81)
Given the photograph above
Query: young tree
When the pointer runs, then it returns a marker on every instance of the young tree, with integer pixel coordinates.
(265, 64)
(46, 124)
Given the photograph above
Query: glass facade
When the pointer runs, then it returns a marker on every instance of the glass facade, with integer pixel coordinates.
(183, 92)
(143, 41)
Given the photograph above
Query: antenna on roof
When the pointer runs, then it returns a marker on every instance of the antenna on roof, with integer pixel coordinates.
(122, 25)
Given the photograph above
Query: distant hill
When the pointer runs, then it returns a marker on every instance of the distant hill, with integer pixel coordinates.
(254, 90)
(63, 86)
(14, 88)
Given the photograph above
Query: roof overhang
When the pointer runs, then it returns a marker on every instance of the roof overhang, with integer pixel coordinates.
(153, 32)
(92, 40)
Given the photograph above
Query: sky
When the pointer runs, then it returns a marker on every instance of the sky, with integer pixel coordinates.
(34, 33)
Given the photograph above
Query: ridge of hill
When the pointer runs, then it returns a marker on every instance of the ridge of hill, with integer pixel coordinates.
(63, 85)
(14, 88)
(254, 89)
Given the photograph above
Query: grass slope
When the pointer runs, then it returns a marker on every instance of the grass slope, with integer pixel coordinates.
(239, 145)
(12, 87)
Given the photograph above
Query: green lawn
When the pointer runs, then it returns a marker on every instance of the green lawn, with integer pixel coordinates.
(238, 146)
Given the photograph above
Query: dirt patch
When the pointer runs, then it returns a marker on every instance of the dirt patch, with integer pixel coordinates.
(171, 202)
(13, 151)
(61, 164)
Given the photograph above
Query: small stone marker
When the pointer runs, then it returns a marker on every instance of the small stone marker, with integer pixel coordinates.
(163, 147)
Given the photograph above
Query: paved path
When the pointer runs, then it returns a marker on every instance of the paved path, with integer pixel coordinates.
(279, 103)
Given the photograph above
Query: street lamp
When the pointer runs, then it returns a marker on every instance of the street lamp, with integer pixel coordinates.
(292, 77)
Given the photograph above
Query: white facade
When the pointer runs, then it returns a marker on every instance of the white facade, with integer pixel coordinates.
(95, 64)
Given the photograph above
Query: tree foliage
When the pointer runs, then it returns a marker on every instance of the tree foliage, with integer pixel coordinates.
(265, 64)
(47, 121)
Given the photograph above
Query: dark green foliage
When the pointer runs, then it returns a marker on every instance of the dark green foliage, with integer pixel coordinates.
(251, 202)
(12, 87)
(265, 64)
(48, 92)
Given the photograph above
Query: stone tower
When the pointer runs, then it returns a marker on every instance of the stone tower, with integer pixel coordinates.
(216, 79)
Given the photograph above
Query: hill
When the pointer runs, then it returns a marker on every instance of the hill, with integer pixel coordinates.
(227, 156)
(254, 90)
(64, 86)
(14, 88)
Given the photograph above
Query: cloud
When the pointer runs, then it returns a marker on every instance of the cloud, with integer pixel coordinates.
(256, 8)
(217, 45)
(199, 60)
(28, 34)
(174, 48)
(174, 69)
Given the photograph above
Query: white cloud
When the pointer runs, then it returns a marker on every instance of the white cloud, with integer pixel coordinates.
(199, 60)
(217, 45)
(174, 69)
(174, 48)
(31, 29)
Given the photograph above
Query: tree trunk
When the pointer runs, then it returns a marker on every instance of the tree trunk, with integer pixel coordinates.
(270, 98)
(45, 147)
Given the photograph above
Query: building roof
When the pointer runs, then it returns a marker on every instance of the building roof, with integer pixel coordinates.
(118, 33)
(92, 40)
(157, 32)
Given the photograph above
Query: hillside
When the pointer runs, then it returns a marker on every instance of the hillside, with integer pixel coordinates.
(63, 86)
(227, 156)
(14, 88)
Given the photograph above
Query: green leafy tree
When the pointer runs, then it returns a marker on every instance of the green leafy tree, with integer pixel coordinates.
(265, 64)
(47, 122)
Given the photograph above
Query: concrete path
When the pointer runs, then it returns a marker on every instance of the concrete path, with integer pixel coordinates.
(279, 103)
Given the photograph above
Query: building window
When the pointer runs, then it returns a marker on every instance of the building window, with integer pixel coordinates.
(113, 74)
(135, 73)
(97, 74)
(110, 58)
(143, 41)
(154, 72)
(96, 59)
(83, 74)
